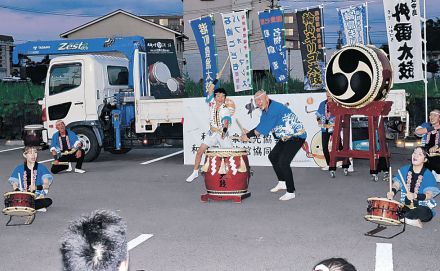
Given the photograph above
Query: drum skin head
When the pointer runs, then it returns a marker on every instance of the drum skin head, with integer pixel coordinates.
(355, 75)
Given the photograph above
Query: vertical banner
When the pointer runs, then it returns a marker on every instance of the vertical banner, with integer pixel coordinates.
(237, 39)
(402, 19)
(204, 35)
(352, 21)
(272, 25)
(310, 36)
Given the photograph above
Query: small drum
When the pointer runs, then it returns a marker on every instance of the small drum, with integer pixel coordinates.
(226, 171)
(384, 211)
(357, 75)
(33, 135)
(159, 73)
(19, 204)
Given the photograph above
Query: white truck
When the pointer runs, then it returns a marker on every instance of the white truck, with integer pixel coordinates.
(105, 99)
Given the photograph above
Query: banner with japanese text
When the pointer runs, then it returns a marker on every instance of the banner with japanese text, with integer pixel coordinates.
(353, 21)
(311, 45)
(304, 105)
(402, 19)
(272, 25)
(205, 38)
(237, 40)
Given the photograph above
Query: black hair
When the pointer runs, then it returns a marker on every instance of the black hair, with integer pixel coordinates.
(220, 90)
(337, 264)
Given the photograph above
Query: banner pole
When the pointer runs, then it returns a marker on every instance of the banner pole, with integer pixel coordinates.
(426, 62)
(367, 25)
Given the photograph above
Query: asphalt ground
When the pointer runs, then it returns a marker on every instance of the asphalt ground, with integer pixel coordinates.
(262, 233)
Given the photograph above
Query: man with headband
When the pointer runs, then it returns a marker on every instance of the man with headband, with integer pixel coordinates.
(219, 121)
(431, 141)
(66, 148)
(288, 129)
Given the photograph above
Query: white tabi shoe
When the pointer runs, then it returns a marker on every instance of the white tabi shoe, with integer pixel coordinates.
(413, 222)
(288, 196)
(43, 210)
(325, 168)
(193, 176)
(77, 170)
(280, 186)
(69, 169)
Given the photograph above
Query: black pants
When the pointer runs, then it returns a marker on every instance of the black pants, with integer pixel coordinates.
(433, 164)
(42, 203)
(423, 213)
(281, 156)
(325, 140)
(68, 158)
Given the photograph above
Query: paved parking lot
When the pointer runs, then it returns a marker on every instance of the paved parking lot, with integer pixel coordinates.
(262, 233)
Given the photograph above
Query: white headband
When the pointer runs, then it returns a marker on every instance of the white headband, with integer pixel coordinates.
(260, 95)
(434, 112)
(321, 267)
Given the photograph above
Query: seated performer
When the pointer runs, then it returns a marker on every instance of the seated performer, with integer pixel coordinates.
(419, 200)
(326, 121)
(219, 119)
(431, 141)
(32, 177)
(289, 131)
(66, 148)
(96, 242)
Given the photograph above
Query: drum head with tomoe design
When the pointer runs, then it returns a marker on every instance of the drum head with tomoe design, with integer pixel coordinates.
(357, 75)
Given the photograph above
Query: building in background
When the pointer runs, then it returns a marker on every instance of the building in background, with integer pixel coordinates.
(6, 45)
(121, 23)
(193, 9)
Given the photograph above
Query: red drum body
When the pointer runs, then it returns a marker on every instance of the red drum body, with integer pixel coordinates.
(159, 73)
(33, 135)
(226, 173)
(384, 211)
(19, 204)
(357, 75)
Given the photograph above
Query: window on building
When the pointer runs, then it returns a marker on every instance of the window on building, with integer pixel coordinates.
(288, 19)
(163, 22)
(289, 32)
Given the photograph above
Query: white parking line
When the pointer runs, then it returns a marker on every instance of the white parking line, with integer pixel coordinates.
(12, 149)
(161, 158)
(138, 240)
(384, 257)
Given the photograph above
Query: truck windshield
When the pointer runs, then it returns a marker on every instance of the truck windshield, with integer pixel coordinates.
(117, 75)
(64, 77)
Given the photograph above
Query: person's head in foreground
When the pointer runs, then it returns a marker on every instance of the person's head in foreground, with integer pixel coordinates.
(95, 242)
(334, 264)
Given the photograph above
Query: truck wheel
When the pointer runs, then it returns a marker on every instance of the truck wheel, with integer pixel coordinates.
(89, 143)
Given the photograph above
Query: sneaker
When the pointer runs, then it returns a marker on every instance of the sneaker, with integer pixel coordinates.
(78, 170)
(193, 176)
(413, 222)
(280, 186)
(386, 176)
(288, 196)
(43, 210)
(325, 168)
(69, 169)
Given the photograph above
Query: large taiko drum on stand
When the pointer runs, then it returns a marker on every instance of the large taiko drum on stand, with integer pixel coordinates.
(227, 174)
(33, 135)
(384, 211)
(357, 75)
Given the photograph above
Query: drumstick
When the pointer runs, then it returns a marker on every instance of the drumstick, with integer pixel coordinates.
(239, 126)
(403, 181)
(19, 182)
(219, 75)
(391, 177)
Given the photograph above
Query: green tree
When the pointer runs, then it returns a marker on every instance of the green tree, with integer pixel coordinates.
(433, 34)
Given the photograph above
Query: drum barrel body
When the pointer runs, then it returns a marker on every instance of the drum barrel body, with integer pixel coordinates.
(223, 176)
(19, 203)
(384, 211)
(358, 75)
(33, 135)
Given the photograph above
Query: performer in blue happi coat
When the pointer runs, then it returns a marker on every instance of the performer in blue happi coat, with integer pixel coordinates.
(327, 122)
(32, 177)
(288, 129)
(419, 200)
(66, 148)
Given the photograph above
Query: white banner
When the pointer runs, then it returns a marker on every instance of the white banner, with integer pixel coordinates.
(196, 125)
(237, 39)
(352, 22)
(402, 19)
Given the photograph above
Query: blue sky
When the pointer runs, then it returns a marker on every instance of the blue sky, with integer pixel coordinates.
(46, 19)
